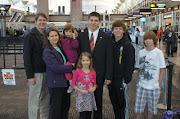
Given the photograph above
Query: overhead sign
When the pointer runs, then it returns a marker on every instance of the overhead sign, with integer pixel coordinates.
(137, 14)
(145, 11)
(158, 5)
(167, 16)
(8, 76)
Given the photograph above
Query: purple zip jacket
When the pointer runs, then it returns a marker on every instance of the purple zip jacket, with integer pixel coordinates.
(55, 68)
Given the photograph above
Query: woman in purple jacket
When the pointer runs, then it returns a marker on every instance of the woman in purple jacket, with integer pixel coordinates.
(70, 46)
(55, 61)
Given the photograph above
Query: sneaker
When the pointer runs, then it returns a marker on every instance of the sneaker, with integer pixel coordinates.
(70, 90)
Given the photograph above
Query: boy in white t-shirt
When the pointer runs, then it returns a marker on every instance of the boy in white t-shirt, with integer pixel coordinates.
(150, 64)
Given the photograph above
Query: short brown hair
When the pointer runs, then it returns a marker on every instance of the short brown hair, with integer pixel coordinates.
(118, 23)
(87, 54)
(68, 27)
(46, 41)
(40, 14)
(150, 35)
(96, 14)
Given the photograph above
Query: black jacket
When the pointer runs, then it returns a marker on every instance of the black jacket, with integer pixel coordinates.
(33, 52)
(102, 54)
(124, 60)
(170, 36)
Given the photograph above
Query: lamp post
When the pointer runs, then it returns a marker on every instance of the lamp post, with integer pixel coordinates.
(3, 10)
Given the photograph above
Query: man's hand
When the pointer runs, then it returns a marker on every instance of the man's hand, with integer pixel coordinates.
(32, 81)
(107, 82)
(73, 64)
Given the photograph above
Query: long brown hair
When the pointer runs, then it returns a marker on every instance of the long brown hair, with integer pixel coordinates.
(79, 64)
(46, 41)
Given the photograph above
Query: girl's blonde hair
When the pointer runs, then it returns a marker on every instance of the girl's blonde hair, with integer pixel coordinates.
(79, 64)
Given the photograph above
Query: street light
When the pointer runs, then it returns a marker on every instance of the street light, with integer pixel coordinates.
(3, 10)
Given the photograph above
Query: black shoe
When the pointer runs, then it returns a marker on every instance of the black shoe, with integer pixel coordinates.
(172, 56)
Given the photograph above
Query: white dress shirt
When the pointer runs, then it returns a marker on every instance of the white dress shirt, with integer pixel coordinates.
(95, 35)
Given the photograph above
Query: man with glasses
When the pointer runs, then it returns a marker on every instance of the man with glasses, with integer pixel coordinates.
(35, 69)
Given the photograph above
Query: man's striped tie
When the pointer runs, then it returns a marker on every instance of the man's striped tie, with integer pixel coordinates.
(92, 42)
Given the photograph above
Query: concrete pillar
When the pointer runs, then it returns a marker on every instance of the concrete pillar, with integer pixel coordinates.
(179, 25)
(160, 21)
(25, 6)
(43, 6)
(3, 25)
(172, 19)
(35, 8)
(76, 12)
(155, 20)
(126, 8)
(10, 2)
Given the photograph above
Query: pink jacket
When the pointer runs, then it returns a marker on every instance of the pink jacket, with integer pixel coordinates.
(78, 76)
(70, 47)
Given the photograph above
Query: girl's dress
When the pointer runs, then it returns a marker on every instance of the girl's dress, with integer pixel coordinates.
(85, 102)
(84, 81)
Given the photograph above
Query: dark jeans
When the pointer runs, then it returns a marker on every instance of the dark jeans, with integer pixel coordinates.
(118, 101)
(59, 103)
(136, 40)
(85, 115)
(170, 44)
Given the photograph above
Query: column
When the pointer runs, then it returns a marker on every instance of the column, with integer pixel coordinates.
(155, 20)
(3, 25)
(25, 6)
(76, 12)
(35, 8)
(160, 21)
(10, 2)
(179, 25)
(43, 6)
(126, 7)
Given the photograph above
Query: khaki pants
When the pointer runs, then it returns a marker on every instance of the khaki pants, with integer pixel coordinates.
(38, 98)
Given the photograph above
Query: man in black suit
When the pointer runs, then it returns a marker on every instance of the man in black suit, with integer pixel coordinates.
(99, 44)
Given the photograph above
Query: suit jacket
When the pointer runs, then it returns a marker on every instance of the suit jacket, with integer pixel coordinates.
(102, 54)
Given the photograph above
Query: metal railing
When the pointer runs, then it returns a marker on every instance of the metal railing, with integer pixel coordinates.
(10, 48)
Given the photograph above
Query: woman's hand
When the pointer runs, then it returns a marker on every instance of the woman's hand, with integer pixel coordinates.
(92, 89)
(84, 91)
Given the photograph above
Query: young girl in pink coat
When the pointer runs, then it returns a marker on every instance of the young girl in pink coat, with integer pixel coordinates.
(84, 81)
(70, 46)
